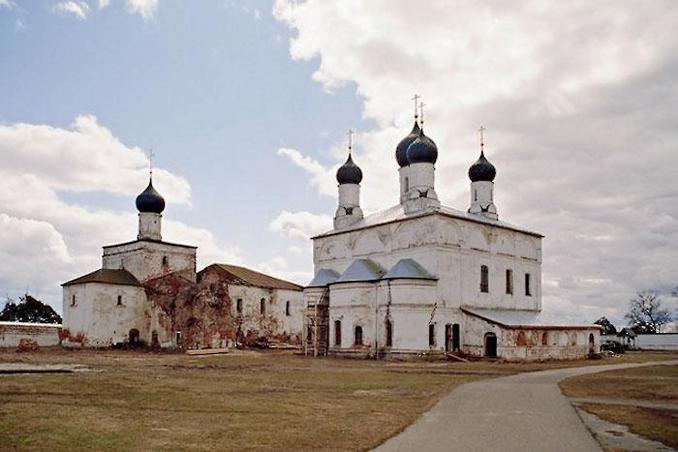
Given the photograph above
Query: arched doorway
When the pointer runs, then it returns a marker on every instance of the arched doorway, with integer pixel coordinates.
(448, 337)
(133, 337)
(491, 345)
(154, 339)
(592, 344)
(358, 335)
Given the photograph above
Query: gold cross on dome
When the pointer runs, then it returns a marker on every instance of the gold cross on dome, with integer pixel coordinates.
(350, 139)
(150, 154)
(416, 102)
(482, 137)
(421, 113)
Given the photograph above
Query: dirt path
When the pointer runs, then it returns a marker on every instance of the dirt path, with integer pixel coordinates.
(524, 412)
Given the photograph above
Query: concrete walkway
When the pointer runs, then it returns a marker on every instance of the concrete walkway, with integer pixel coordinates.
(524, 412)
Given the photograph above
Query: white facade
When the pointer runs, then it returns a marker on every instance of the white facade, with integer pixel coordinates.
(397, 281)
(147, 259)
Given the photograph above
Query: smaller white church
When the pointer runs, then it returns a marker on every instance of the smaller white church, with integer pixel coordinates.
(420, 278)
(147, 292)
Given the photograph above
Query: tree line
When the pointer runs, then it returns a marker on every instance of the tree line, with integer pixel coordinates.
(646, 314)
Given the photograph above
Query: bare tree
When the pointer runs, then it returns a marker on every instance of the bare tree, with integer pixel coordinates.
(646, 314)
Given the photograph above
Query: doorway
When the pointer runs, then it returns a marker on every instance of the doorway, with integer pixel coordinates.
(133, 337)
(592, 344)
(490, 345)
(456, 338)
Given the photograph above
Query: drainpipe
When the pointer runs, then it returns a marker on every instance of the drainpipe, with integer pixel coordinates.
(376, 320)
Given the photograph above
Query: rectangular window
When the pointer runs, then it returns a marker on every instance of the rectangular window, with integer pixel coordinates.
(484, 279)
(528, 289)
(262, 306)
(431, 334)
(287, 308)
(238, 305)
(119, 300)
(73, 300)
(509, 281)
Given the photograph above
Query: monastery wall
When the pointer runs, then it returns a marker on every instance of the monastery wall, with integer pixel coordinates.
(148, 260)
(45, 334)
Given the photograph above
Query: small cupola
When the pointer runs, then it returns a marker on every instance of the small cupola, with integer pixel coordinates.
(349, 172)
(401, 149)
(422, 150)
(150, 200)
(482, 170)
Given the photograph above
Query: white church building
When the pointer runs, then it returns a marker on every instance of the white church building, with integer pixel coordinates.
(147, 292)
(421, 278)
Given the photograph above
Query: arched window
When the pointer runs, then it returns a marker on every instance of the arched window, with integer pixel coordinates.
(165, 261)
(119, 300)
(72, 300)
(358, 339)
(509, 281)
(545, 338)
(484, 279)
(431, 334)
(238, 305)
(528, 289)
(407, 184)
(287, 308)
(389, 333)
(337, 333)
(262, 306)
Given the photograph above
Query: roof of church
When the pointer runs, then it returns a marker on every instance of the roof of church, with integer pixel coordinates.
(324, 277)
(408, 269)
(397, 213)
(248, 277)
(362, 270)
(106, 276)
(161, 242)
(515, 318)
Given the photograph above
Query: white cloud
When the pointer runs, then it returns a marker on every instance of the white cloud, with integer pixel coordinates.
(86, 158)
(6, 4)
(145, 8)
(322, 178)
(77, 8)
(104, 3)
(300, 224)
(39, 230)
(579, 101)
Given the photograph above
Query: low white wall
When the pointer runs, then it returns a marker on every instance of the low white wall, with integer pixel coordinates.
(45, 334)
(657, 341)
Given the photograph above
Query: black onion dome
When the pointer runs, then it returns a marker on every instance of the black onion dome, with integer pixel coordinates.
(401, 149)
(349, 172)
(422, 150)
(150, 200)
(482, 170)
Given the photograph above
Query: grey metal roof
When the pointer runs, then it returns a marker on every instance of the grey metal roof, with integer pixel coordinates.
(323, 278)
(397, 213)
(106, 276)
(515, 318)
(408, 269)
(362, 270)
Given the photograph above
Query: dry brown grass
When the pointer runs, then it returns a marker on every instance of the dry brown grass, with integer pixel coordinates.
(656, 424)
(144, 401)
(652, 383)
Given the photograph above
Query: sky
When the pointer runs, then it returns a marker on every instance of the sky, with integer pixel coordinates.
(246, 105)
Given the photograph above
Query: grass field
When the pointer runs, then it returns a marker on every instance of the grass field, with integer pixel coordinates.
(243, 400)
(651, 384)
